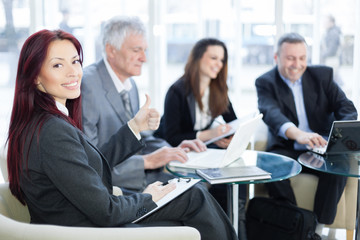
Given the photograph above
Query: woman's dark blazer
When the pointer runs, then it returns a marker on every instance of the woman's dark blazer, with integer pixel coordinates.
(67, 181)
(177, 123)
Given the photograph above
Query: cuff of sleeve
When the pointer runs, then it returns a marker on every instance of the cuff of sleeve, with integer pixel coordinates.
(137, 135)
(284, 128)
(197, 134)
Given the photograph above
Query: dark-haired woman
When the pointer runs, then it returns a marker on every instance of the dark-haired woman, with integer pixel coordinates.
(194, 101)
(199, 96)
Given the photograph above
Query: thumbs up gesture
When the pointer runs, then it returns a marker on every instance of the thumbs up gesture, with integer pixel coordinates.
(146, 118)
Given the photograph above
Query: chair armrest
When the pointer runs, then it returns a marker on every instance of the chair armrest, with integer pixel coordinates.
(11, 229)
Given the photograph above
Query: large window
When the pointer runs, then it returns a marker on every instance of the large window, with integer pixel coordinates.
(249, 28)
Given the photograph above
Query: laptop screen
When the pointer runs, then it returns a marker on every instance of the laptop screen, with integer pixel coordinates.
(345, 137)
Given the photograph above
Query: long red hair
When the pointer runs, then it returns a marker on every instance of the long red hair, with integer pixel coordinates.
(32, 105)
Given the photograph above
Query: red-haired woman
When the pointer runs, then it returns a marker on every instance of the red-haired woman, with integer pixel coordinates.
(199, 96)
(64, 179)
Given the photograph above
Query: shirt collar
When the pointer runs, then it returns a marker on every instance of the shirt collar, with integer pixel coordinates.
(119, 85)
(62, 108)
(289, 83)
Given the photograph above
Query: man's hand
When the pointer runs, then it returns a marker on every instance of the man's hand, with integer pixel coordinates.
(193, 145)
(311, 139)
(158, 191)
(163, 156)
(301, 137)
(146, 118)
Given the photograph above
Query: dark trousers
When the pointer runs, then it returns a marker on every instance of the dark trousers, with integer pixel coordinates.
(195, 208)
(328, 193)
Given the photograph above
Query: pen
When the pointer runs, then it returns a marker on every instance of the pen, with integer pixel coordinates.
(223, 128)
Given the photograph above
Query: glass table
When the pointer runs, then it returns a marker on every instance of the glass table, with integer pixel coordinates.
(280, 167)
(346, 164)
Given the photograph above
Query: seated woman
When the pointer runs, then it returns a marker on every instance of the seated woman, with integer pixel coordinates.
(194, 101)
(198, 97)
(60, 175)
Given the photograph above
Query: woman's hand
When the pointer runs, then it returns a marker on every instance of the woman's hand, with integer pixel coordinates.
(224, 142)
(158, 190)
(206, 135)
(146, 118)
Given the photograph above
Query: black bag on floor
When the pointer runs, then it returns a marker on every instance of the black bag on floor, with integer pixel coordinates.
(267, 218)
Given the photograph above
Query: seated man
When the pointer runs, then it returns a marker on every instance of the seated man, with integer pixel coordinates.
(299, 104)
(110, 98)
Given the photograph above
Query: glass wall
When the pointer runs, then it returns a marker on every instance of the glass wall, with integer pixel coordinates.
(248, 27)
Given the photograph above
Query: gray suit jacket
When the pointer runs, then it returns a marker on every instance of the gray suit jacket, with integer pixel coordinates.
(67, 181)
(103, 115)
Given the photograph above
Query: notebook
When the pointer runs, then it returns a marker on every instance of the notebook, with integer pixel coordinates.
(232, 174)
(344, 137)
(217, 158)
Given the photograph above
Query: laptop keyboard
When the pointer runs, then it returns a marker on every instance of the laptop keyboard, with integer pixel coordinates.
(320, 150)
(211, 158)
(210, 155)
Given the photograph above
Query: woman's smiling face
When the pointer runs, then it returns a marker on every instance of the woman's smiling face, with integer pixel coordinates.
(211, 62)
(61, 72)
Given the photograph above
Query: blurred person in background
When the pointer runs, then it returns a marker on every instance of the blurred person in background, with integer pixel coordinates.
(330, 48)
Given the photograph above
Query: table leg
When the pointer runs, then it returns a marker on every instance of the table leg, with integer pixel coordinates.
(233, 204)
(357, 237)
(229, 201)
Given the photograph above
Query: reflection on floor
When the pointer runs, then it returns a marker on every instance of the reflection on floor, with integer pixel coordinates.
(340, 234)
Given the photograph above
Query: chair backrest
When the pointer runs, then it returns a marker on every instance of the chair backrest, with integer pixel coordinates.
(3, 167)
(11, 207)
(260, 137)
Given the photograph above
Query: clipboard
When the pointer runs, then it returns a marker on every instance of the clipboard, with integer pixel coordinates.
(182, 185)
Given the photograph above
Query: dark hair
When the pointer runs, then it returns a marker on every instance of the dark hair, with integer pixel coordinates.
(218, 100)
(289, 38)
(331, 18)
(32, 105)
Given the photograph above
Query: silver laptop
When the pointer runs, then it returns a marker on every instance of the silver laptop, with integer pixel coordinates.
(215, 158)
(344, 137)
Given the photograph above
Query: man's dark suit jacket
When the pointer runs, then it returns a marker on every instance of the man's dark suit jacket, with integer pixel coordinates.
(67, 181)
(177, 123)
(323, 98)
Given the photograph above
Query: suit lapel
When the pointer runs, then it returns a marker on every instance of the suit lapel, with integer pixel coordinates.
(106, 166)
(191, 102)
(286, 96)
(111, 94)
(310, 96)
